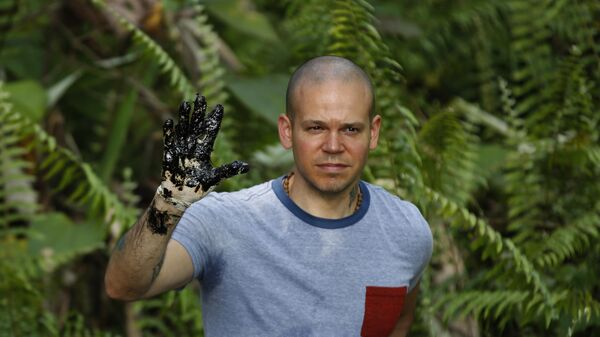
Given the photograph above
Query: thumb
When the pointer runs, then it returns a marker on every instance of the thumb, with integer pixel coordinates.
(229, 170)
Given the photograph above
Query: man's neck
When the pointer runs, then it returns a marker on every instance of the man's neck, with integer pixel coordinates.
(329, 206)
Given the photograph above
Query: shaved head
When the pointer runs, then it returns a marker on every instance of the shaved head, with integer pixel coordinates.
(324, 69)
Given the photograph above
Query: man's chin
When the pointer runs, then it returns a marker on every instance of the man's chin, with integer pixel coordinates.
(333, 186)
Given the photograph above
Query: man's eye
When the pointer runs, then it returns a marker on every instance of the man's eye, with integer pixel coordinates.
(314, 128)
(351, 129)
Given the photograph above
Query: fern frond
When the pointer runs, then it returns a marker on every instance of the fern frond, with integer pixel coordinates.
(508, 107)
(69, 174)
(213, 86)
(307, 24)
(574, 93)
(496, 305)
(448, 150)
(543, 73)
(211, 82)
(533, 61)
(516, 263)
(18, 199)
(526, 188)
(173, 314)
(581, 307)
(569, 240)
(518, 305)
(22, 301)
(167, 65)
(578, 28)
(486, 236)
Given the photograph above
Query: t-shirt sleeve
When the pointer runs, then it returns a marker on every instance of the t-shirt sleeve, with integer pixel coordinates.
(423, 247)
(195, 233)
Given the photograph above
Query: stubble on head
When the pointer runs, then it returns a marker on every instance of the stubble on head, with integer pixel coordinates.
(321, 69)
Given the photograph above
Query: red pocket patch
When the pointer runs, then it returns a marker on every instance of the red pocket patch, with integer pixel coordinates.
(383, 306)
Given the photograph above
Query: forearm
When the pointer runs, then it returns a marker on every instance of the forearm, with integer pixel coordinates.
(137, 258)
(408, 313)
(403, 326)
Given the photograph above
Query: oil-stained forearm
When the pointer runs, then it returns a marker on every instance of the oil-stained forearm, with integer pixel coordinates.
(136, 260)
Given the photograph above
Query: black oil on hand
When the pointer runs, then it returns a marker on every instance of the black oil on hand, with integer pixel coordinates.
(189, 144)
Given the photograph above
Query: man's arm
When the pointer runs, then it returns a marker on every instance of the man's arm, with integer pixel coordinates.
(142, 263)
(407, 315)
(146, 261)
(176, 271)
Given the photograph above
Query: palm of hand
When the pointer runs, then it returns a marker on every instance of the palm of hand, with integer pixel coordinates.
(187, 172)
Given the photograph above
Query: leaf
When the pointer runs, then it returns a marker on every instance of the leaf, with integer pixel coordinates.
(265, 95)
(57, 239)
(56, 91)
(118, 134)
(27, 97)
(491, 158)
(239, 15)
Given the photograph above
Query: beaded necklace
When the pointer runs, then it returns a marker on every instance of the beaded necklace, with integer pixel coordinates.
(286, 188)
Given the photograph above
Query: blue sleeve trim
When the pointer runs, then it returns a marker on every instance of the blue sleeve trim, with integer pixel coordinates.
(277, 185)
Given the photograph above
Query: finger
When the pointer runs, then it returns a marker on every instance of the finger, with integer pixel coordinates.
(168, 132)
(184, 114)
(212, 126)
(169, 147)
(208, 178)
(230, 170)
(198, 114)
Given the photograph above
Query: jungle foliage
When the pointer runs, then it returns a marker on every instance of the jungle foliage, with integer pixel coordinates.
(491, 116)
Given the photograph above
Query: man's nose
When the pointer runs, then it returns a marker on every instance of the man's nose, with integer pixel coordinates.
(333, 143)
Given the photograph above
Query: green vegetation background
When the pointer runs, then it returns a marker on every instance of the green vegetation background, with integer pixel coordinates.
(491, 126)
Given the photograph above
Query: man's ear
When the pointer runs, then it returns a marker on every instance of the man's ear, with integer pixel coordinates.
(375, 126)
(284, 125)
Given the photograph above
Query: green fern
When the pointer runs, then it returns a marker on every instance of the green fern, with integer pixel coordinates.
(582, 309)
(532, 52)
(448, 147)
(43, 242)
(213, 86)
(559, 146)
(568, 241)
(172, 314)
(22, 302)
(496, 305)
(211, 83)
(485, 236)
(69, 175)
(17, 197)
(527, 183)
(177, 79)
(211, 80)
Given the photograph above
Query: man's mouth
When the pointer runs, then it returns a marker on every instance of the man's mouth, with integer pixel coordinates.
(332, 167)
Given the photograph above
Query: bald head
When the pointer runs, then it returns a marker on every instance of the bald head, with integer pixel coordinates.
(324, 69)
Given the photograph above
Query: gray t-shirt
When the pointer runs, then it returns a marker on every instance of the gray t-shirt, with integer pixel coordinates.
(268, 268)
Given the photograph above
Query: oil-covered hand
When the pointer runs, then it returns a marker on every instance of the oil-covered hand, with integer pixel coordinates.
(187, 173)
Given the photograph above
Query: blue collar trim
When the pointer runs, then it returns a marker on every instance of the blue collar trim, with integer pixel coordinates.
(277, 185)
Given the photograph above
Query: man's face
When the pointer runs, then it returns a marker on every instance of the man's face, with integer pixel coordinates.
(331, 134)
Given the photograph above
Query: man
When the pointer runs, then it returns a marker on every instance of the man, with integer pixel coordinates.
(317, 252)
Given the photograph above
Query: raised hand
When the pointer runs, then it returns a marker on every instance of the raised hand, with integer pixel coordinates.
(187, 173)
